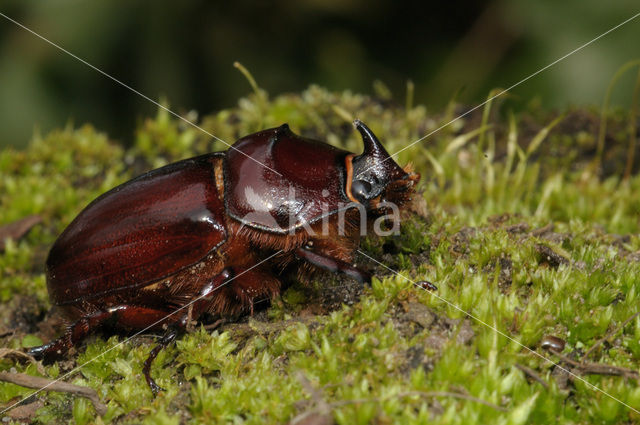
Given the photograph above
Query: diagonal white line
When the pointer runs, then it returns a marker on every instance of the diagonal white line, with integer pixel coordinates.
(74, 370)
(394, 154)
(477, 319)
(511, 87)
(133, 90)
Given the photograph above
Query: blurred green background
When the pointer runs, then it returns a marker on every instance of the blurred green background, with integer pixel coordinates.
(184, 51)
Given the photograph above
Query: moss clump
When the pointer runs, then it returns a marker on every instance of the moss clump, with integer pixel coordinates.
(521, 232)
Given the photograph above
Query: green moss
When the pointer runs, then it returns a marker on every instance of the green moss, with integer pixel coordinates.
(487, 187)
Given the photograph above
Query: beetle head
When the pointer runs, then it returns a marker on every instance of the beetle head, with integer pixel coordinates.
(373, 177)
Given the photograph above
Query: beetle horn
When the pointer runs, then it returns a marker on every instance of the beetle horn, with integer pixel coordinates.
(374, 168)
(372, 146)
(374, 160)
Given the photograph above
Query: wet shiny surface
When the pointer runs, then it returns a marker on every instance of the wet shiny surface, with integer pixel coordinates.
(553, 343)
(141, 231)
(311, 184)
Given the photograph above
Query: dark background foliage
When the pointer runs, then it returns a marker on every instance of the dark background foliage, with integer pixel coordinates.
(184, 51)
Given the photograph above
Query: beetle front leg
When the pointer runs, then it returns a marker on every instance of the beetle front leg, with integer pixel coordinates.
(333, 265)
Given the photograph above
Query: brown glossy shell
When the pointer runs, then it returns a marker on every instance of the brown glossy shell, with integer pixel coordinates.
(304, 182)
(139, 232)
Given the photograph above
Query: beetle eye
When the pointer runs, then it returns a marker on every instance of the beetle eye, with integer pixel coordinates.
(361, 189)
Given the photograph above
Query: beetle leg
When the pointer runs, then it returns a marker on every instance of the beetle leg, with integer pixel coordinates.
(207, 294)
(74, 334)
(248, 299)
(194, 310)
(333, 265)
(168, 338)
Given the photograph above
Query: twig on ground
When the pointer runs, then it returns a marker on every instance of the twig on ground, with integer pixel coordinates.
(24, 413)
(37, 383)
(21, 356)
(609, 335)
(215, 325)
(542, 230)
(17, 229)
(321, 414)
(315, 394)
(532, 374)
(598, 368)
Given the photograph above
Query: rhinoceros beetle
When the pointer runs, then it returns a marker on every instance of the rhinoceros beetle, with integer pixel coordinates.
(197, 228)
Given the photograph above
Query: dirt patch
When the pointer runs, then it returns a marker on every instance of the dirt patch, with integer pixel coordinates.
(337, 292)
(419, 313)
(460, 241)
(549, 256)
(432, 331)
(21, 315)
